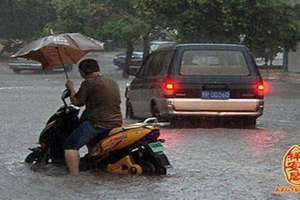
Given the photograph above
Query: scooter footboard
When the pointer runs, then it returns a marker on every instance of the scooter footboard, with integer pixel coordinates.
(126, 165)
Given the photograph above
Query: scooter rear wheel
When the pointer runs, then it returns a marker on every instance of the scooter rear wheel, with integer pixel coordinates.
(148, 168)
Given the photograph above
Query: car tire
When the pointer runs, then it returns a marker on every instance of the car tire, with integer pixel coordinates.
(154, 110)
(148, 168)
(16, 71)
(129, 111)
(176, 122)
(249, 122)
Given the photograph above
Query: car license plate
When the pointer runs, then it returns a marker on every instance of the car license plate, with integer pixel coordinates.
(157, 147)
(215, 95)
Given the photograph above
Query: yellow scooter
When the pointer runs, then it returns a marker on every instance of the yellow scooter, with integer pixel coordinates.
(133, 149)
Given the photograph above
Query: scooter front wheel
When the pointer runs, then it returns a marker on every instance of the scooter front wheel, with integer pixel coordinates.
(33, 157)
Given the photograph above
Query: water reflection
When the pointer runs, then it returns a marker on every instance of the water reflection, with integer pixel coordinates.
(173, 137)
(261, 141)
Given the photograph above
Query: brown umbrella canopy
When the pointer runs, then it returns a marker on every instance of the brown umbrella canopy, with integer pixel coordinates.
(61, 49)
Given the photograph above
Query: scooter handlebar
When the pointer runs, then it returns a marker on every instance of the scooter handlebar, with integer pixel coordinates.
(66, 93)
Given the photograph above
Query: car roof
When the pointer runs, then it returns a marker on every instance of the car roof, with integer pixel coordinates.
(162, 42)
(204, 46)
(134, 52)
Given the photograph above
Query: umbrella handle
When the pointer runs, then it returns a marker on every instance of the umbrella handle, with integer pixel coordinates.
(65, 70)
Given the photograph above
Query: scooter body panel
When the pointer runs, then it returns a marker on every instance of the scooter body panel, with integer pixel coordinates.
(120, 140)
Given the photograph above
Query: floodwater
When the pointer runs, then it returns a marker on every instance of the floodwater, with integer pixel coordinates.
(208, 163)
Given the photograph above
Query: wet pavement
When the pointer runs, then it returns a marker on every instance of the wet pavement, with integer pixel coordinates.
(208, 163)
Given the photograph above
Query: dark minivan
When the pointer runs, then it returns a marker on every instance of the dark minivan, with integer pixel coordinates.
(217, 80)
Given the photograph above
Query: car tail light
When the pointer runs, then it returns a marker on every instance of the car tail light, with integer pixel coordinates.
(260, 88)
(169, 87)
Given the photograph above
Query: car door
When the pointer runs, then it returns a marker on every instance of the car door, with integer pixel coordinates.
(153, 78)
(159, 76)
(150, 82)
(143, 88)
(138, 87)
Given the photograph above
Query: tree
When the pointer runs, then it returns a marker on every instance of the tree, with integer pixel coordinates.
(127, 29)
(202, 20)
(155, 24)
(130, 21)
(123, 25)
(265, 26)
(72, 16)
(24, 19)
(271, 28)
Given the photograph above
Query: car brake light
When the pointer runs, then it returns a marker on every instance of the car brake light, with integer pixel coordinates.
(169, 87)
(260, 89)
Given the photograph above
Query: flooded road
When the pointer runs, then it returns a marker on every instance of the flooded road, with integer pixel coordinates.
(208, 163)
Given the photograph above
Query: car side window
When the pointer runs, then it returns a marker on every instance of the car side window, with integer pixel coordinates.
(145, 68)
(160, 63)
(156, 65)
(166, 62)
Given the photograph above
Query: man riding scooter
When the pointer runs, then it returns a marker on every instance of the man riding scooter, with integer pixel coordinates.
(101, 97)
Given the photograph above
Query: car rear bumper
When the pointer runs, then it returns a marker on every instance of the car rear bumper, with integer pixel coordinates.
(202, 107)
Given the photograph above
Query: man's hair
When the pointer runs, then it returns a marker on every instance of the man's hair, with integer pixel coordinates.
(89, 66)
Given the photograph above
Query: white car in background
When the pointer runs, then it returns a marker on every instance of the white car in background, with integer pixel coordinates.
(21, 64)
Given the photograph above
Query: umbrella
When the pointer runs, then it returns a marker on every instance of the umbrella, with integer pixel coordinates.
(67, 48)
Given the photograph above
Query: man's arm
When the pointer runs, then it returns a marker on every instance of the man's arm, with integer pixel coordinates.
(73, 98)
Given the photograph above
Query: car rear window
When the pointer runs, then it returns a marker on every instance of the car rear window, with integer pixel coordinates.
(213, 62)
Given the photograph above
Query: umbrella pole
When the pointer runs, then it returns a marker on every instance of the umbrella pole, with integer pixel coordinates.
(65, 70)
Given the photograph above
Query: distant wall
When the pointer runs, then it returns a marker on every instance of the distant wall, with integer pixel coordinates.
(294, 61)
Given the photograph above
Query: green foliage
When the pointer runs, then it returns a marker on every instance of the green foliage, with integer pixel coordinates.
(271, 27)
(24, 19)
(123, 29)
(72, 15)
(266, 26)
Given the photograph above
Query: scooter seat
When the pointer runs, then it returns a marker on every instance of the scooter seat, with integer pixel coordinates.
(115, 131)
(123, 128)
(120, 129)
(133, 126)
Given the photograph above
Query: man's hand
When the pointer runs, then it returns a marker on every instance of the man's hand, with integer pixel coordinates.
(70, 85)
